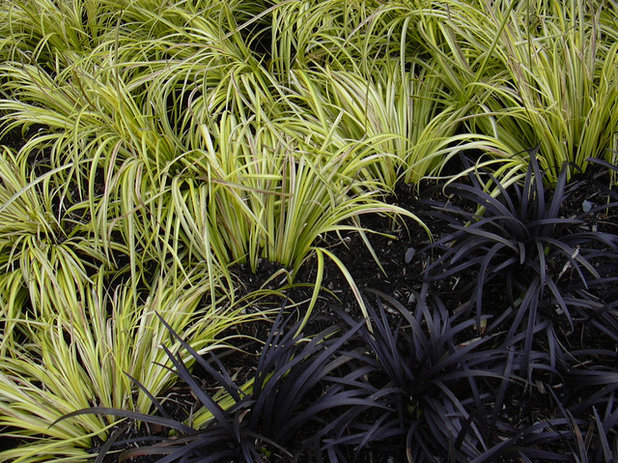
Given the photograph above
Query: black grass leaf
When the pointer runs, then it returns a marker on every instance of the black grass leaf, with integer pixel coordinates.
(608, 195)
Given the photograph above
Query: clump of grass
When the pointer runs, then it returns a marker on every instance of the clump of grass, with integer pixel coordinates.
(521, 243)
(87, 350)
(530, 75)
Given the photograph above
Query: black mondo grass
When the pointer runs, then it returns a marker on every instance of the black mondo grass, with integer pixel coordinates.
(428, 372)
(527, 266)
(294, 382)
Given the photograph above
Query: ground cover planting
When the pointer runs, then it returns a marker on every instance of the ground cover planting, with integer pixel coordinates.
(308, 230)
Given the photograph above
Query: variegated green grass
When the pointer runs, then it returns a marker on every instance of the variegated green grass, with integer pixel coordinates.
(536, 74)
(42, 31)
(399, 117)
(321, 33)
(396, 81)
(85, 352)
(44, 239)
(105, 157)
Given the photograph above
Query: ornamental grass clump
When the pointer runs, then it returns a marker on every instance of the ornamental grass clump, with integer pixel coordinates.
(79, 351)
(564, 77)
(267, 194)
(115, 120)
(47, 255)
(429, 372)
(530, 74)
(532, 267)
(396, 116)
